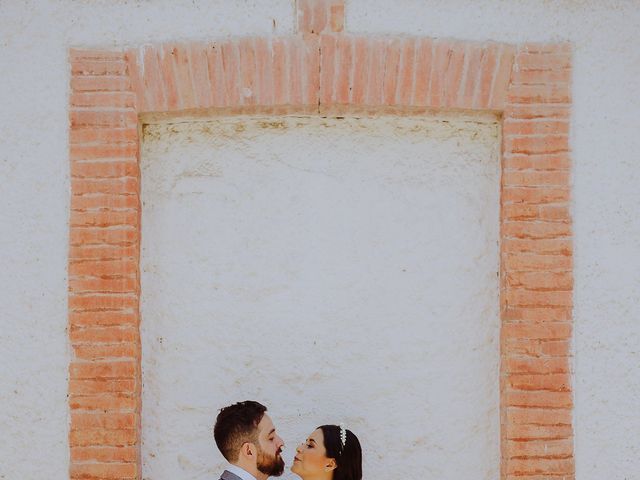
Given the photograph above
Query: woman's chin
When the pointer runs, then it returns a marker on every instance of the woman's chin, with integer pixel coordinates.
(294, 468)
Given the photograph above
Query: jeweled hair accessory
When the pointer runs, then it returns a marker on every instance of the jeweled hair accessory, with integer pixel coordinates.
(343, 435)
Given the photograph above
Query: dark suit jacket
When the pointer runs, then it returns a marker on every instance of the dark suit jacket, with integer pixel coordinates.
(227, 475)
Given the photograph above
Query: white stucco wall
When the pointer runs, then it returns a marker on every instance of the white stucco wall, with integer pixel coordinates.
(34, 37)
(338, 270)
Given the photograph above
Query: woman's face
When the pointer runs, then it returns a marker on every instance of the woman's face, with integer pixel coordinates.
(311, 457)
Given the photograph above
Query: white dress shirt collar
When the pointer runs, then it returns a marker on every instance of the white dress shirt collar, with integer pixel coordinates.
(242, 473)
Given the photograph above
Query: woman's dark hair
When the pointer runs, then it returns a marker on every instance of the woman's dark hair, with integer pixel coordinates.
(236, 425)
(348, 458)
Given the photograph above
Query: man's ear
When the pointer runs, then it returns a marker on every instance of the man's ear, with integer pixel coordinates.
(330, 465)
(248, 450)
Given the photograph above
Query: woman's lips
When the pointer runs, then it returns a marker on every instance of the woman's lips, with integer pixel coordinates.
(296, 459)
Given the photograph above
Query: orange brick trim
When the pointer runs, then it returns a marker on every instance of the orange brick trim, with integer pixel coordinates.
(529, 85)
(104, 291)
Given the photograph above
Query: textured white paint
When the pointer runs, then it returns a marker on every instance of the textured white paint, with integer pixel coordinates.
(335, 269)
(34, 192)
(34, 37)
(606, 197)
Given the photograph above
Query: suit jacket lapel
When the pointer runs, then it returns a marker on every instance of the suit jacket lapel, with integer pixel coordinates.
(227, 475)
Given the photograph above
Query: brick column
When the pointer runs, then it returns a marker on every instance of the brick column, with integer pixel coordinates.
(536, 259)
(104, 374)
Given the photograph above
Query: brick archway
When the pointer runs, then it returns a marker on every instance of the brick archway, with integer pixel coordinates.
(321, 70)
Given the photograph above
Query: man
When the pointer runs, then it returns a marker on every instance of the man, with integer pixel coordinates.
(246, 437)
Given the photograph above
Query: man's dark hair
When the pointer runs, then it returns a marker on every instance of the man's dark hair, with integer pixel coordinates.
(348, 457)
(236, 425)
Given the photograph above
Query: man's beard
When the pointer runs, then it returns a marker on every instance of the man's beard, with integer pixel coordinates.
(272, 466)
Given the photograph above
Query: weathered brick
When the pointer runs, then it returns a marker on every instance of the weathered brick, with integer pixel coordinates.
(540, 448)
(441, 53)
(104, 454)
(391, 71)
(535, 230)
(100, 83)
(103, 471)
(535, 195)
(103, 334)
(104, 201)
(104, 218)
(545, 161)
(537, 331)
(104, 136)
(231, 70)
(120, 369)
(406, 72)
(520, 262)
(546, 314)
(200, 74)
(134, 62)
(168, 76)
(529, 298)
(110, 285)
(120, 118)
(103, 402)
(541, 466)
(424, 60)
(537, 111)
(120, 152)
(502, 77)
(543, 60)
(558, 213)
(536, 365)
(536, 145)
(112, 236)
(152, 80)
(103, 252)
(488, 67)
(344, 62)
(538, 416)
(543, 399)
(535, 178)
(525, 432)
(512, 127)
(328, 76)
(102, 302)
(362, 51)
(542, 246)
(105, 351)
(550, 93)
(91, 387)
(77, 319)
(537, 348)
(122, 185)
(543, 280)
(555, 382)
(546, 77)
(317, 16)
(118, 99)
(82, 54)
(102, 437)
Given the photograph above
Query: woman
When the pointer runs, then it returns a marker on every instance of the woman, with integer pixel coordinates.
(330, 453)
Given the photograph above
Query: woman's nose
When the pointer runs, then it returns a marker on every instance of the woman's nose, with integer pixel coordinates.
(299, 448)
